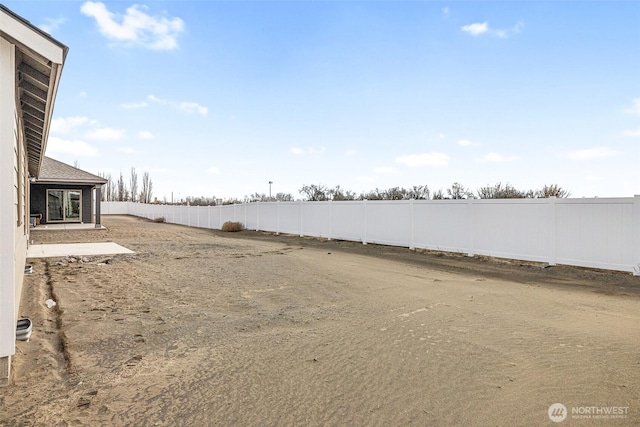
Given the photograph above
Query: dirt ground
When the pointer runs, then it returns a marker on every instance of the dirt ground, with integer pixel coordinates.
(201, 328)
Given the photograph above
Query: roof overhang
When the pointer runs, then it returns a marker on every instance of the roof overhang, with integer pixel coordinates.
(68, 182)
(39, 61)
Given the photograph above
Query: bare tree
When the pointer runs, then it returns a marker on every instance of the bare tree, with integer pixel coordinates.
(284, 197)
(258, 197)
(418, 192)
(337, 193)
(314, 193)
(458, 191)
(373, 195)
(107, 194)
(499, 191)
(552, 190)
(147, 188)
(123, 193)
(133, 184)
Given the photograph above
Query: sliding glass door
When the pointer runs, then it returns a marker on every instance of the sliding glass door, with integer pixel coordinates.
(64, 205)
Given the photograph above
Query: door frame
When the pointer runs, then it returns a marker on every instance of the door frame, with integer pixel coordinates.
(65, 191)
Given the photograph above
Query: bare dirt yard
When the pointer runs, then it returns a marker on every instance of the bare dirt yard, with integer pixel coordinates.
(201, 328)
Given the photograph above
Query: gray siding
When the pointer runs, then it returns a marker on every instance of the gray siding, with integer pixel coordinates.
(39, 199)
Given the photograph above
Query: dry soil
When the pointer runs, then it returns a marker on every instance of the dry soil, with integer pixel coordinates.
(201, 327)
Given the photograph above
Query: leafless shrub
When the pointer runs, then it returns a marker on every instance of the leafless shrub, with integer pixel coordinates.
(232, 226)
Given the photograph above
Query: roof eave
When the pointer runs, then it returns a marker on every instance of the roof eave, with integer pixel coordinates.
(68, 182)
(34, 43)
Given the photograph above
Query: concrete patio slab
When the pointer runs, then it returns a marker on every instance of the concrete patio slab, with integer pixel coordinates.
(82, 249)
(54, 227)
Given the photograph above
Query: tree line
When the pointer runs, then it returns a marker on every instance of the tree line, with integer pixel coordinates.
(319, 192)
(123, 191)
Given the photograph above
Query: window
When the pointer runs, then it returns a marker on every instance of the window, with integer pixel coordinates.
(64, 205)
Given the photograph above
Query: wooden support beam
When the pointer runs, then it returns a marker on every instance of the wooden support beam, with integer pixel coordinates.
(36, 76)
(32, 102)
(34, 91)
(39, 115)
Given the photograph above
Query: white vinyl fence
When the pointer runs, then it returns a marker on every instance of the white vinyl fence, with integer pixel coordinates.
(598, 233)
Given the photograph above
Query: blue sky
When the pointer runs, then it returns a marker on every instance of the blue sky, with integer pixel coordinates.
(217, 98)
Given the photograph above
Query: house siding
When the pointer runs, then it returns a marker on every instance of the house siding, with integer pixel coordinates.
(20, 154)
(39, 199)
(13, 233)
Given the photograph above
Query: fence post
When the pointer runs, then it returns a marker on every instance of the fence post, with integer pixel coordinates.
(635, 227)
(277, 217)
(258, 216)
(411, 242)
(553, 230)
(364, 222)
(470, 230)
(330, 219)
(301, 222)
(245, 213)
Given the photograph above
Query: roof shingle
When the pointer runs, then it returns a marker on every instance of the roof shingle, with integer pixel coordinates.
(58, 172)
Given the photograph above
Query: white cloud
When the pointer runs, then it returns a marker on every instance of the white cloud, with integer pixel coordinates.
(480, 28)
(65, 125)
(156, 99)
(52, 24)
(496, 158)
(351, 152)
(632, 133)
(445, 11)
(106, 134)
(385, 170)
(214, 170)
(135, 27)
(83, 94)
(134, 105)
(309, 150)
(184, 106)
(590, 153)
(127, 150)
(635, 109)
(424, 159)
(145, 134)
(76, 147)
(476, 29)
(468, 143)
(192, 107)
(518, 27)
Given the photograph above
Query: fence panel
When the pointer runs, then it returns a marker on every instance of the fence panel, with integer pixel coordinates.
(389, 222)
(512, 229)
(289, 217)
(595, 233)
(599, 233)
(315, 219)
(441, 225)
